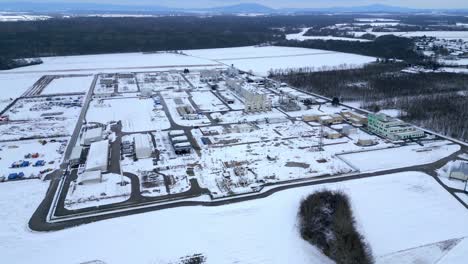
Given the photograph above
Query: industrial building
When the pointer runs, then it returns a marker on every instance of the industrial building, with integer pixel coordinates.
(143, 146)
(255, 100)
(90, 177)
(348, 130)
(392, 128)
(210, 76)
(180, 142)
(98, 156)
(330, 119)
(75, 156)
(354, 118)
(92, 135)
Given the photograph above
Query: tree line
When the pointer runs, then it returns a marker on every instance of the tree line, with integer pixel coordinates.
(386, 47)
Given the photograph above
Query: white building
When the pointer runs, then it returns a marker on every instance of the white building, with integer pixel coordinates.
(92, 135)
(174, 133)
(210, 76)
(459, 171)
(254, 99)
(98, 156)
(143, 146)
(75, 155)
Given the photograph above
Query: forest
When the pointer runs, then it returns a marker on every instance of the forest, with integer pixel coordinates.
(95, 35)
(386, 47)
(437, 101)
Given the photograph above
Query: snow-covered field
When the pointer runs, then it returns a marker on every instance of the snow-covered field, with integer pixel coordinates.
(16, 18)
(438, 34)
(260, 60)
(69, 85)
(136, 114)
(401, 157)
(14, 85)
(300, 36)
(408, 210)
(114, 62)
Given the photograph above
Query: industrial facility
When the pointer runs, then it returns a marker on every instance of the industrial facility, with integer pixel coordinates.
(392, 128)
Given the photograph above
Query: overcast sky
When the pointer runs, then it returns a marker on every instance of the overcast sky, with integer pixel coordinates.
(274, 3)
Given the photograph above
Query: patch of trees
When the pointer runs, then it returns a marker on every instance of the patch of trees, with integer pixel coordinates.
(6, 64)
(327, 222)
(94, 35)
(387, 46)
(437, 101)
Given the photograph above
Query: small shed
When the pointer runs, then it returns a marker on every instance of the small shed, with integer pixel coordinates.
(459, 171)
(365, 141)
(348, 130)
(146, 92)
(90, 177)
(332, 134)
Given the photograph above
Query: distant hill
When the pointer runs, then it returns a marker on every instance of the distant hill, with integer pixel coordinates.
(243, 8)
(66, 7)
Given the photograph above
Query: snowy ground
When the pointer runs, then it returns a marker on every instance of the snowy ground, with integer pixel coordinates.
(300, 36)
(15, 151)
(401, 157)
(115, 62)
(248, 232)
(30, 129)
(437, 34)
(136, 114)
(108, 191)
(14, 85)
(208, 102)
(261, 60)
(69, 85)
(37, 108)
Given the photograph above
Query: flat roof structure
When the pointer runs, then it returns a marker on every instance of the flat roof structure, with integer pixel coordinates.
(98, 156)
(89, 177)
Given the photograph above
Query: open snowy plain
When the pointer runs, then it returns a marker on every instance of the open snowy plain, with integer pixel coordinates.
(403, 217)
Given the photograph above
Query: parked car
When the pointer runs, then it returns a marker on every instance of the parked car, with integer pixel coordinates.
(39, 163)
(15, 176)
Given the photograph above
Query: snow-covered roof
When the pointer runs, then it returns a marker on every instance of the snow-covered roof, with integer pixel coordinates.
(180, 138)
(98, 155)
(142, 141)
(93, 133)
(182, 145)
(76, 153)
(176, 133)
